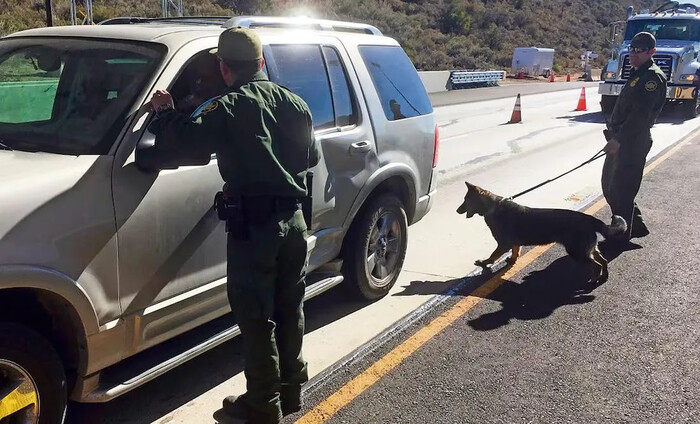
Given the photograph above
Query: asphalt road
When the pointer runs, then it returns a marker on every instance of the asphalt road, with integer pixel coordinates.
(505, 90)
(476, 145)
(541, 345)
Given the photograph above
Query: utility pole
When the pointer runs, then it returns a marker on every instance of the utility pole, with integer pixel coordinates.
(171, 8)
(49, 13)
(87, 14)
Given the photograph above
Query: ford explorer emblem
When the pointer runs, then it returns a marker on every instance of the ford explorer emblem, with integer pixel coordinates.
(662, 62)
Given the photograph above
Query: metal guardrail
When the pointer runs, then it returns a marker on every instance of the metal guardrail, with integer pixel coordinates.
(466, 79)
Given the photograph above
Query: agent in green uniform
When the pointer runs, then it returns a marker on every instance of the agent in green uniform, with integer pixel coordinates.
(263, 138)
(629, 141)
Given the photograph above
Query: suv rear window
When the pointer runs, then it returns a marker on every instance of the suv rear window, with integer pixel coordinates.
(343, 103)
(315, 73)
(69, 96)
(400, 89)
(301, 69)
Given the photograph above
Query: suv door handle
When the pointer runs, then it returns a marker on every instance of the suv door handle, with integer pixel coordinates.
(360, 147)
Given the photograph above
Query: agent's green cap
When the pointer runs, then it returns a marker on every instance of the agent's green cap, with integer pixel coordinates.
(239, 44)
(644, 40)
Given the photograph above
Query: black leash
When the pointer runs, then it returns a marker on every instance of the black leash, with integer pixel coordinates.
(598, 155)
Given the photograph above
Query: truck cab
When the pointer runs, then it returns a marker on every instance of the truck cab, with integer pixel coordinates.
(676, 26)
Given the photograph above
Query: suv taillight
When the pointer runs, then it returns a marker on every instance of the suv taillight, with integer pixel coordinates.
(436, 146)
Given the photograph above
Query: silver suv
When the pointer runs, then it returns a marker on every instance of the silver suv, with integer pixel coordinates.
(102, 257)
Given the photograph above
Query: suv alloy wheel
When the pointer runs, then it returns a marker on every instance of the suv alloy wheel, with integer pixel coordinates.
(377, 248)
(32, 379)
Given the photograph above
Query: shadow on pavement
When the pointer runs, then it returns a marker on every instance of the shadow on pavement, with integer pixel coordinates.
(220, 417)
(422, 288)
(669, 115)
(187, 382)
(563, 282)
(590, 117)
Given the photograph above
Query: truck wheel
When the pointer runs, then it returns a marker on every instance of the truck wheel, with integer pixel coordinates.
(690, 107)
(376, 248)
(607, 104)
(32, 379)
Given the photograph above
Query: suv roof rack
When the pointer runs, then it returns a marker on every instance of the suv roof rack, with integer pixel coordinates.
(195, 20)
(254, 22)
(300, 23)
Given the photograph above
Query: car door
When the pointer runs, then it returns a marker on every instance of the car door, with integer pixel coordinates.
(172, 247)
(316, 69)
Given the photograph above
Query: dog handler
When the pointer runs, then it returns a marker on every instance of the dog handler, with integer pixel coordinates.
(629, 138)
(264, 140)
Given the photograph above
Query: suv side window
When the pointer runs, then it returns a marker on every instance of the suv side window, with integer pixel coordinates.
(400, 89)
(199, 81)
(301, 68)
(343, 102)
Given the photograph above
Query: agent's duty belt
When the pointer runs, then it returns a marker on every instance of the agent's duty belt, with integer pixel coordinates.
(242, 212)
(272, 203)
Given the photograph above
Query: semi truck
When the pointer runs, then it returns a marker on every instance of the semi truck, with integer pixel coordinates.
(676, 26)
(533, 61)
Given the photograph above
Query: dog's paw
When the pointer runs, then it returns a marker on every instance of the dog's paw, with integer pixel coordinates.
(596, 281)
(482, 264)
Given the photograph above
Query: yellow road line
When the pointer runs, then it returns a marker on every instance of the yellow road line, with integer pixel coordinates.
(346, 394)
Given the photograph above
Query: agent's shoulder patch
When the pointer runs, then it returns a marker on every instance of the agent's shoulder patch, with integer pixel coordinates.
(210, 107)
(651, 86)
(206, 107)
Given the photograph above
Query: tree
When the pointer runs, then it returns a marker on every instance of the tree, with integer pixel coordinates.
(455, 18)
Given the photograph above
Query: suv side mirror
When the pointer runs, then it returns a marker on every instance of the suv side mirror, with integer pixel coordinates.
(151, 157)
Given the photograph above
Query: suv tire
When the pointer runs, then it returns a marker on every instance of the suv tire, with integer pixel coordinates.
(28, 360)
(376, 248)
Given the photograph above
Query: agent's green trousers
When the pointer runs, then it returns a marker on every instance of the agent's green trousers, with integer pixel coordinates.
(622, 177)
(266, 283)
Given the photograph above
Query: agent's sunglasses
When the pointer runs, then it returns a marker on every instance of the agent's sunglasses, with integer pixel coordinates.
(638, 49)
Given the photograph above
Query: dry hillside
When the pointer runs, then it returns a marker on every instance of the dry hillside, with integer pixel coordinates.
(437, 34)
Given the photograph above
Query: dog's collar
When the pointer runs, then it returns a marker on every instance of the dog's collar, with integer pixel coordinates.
(492, 207)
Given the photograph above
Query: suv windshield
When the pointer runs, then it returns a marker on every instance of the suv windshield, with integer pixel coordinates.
(69, 96)
(665, 29)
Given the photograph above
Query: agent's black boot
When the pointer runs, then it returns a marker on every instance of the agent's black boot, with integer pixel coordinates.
(290, 398)
(238, 407)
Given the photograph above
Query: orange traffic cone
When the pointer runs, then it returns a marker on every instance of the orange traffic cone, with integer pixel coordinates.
(551, 77)
(516, 116)
(582, 100)
(568, 77)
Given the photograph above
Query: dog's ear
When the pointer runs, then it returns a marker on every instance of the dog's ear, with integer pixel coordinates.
(474, 188)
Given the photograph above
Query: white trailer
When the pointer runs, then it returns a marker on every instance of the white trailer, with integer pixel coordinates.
(533, 61)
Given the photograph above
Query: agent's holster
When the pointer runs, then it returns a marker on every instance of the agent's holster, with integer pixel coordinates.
(307, 202)
(230, 209)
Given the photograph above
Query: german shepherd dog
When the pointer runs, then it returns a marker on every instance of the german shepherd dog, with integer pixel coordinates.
(514, 225)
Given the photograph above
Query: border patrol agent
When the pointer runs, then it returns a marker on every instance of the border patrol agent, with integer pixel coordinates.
(263, 137)
(629, 136)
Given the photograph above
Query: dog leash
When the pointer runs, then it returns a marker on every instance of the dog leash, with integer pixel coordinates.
(598, 155)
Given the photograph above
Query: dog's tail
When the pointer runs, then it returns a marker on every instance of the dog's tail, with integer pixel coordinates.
(617, 226)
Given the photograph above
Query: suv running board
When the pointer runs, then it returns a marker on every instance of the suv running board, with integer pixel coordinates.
(105, 394)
